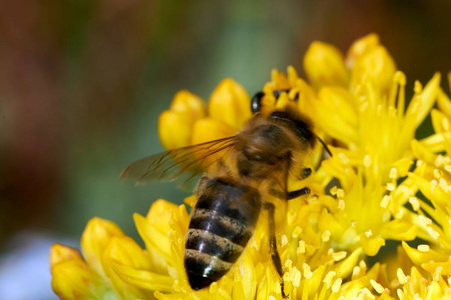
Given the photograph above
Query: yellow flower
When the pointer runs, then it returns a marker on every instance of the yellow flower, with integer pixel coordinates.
(370, 119)
(417, 286)
(365, 214)
(311, 265)
(380, 184)
(72, 277)
(432, 176)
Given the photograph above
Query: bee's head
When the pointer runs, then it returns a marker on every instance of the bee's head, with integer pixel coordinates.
(299, 125)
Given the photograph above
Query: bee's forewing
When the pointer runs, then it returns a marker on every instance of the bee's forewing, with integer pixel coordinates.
(182, 164)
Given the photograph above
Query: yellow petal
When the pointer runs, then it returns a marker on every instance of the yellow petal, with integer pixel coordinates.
(94, 240)
(376, 66)
(316, 279)
(402, 166)
(444, 103)
(153, 238)
(422, 103)
(328, 222)
(125, 251)
(142, 278)
(434, 292)
(230, 104)
(345, 267)
(419, 257)
(371, 246)
(248, 280)
(431, 267)
(292, 74)
(160, 215)
(209, 129)
(175, 125)
(324, 65)
(420, 151)
(440, 121)
(342, 102)
(433, 193)
(282, 101)
(350, 289)
(435, 142)
(398, 230)
(60, 253)
(360, 47)
(279, 80)
(174, 129)
(188, 104)
(334, 124)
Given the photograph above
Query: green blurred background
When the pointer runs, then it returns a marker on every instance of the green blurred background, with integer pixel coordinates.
(83, 82)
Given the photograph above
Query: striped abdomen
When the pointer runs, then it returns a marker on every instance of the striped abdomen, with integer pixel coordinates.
(221, 225)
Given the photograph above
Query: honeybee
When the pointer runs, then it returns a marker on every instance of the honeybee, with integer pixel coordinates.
(234, 188)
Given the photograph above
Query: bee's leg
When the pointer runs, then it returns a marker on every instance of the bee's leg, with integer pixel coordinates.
(306, 172)
(289, 195)
(273, 245)
(297, 193)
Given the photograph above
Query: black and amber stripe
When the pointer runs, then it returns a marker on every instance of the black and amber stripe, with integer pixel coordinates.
(221, 226)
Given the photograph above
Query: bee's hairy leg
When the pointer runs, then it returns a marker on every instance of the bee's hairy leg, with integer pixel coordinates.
(289, 195)
(273, 245)
(306, 172)
(297, 193)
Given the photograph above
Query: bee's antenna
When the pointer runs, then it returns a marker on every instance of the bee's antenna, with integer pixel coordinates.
(325, 146)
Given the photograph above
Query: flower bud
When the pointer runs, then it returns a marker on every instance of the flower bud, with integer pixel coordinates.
(95, 239)
(361, 47)
(175, 124)
(174, 129)
(230, 104)
(73, 279)
(188, 103)
(324, 65)
(60, 253)
(377, 66)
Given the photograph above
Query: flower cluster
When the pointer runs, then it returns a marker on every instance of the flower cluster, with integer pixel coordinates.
(380, 184)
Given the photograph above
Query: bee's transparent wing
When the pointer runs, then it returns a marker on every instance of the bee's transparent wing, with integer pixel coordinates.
(182, 164)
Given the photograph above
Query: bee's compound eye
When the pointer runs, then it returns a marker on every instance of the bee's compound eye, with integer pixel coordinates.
(256, 102)
(256, 156)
